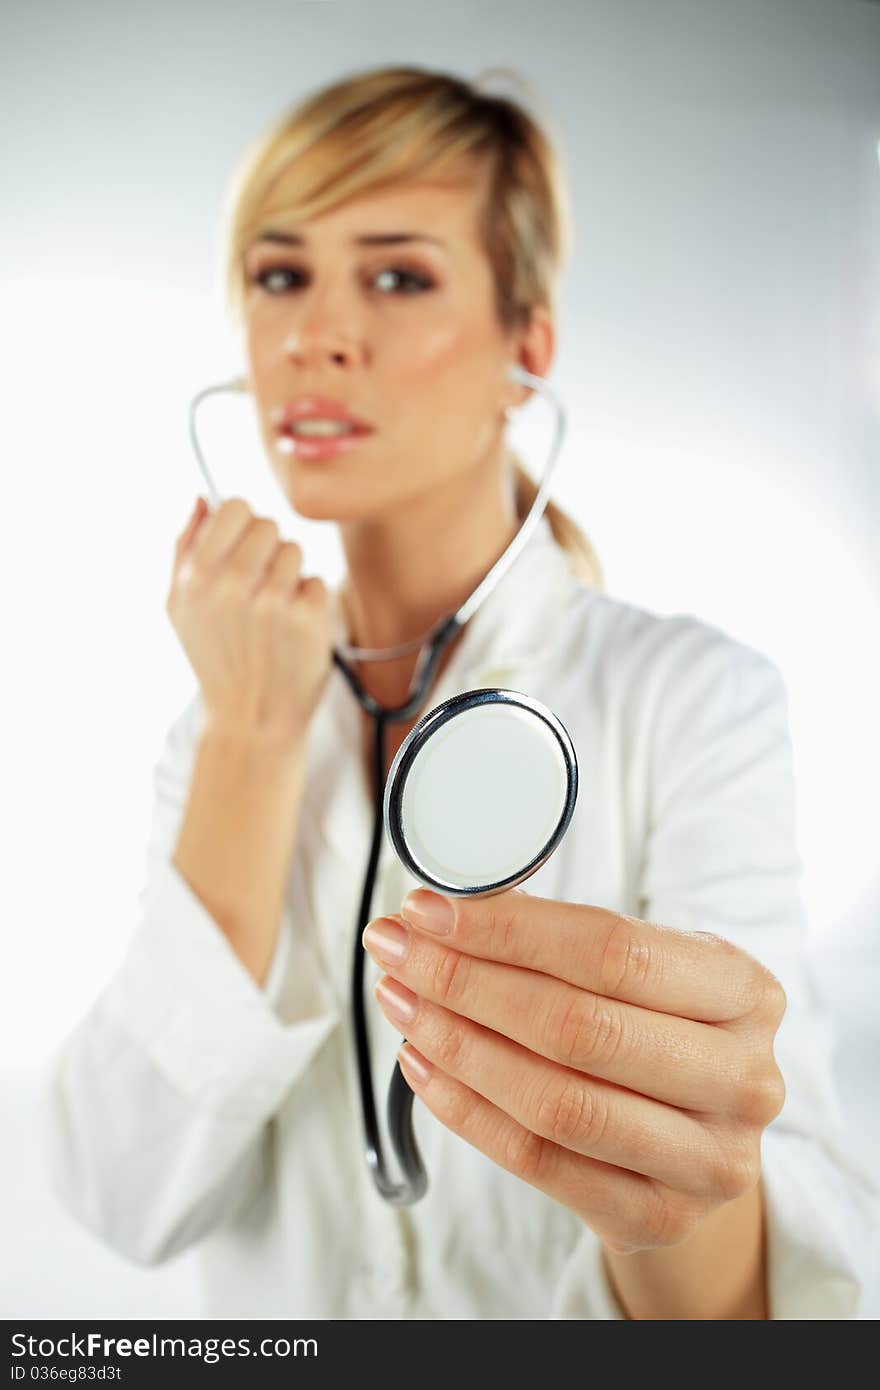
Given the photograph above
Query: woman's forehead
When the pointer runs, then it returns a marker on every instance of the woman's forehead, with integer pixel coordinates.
(441, 211)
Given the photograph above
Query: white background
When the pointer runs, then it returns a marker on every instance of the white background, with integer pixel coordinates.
(719, 353)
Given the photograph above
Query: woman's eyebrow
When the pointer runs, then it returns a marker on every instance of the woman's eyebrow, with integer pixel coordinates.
(371, 239)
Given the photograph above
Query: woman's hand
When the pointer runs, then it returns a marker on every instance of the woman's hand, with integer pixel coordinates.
(622, 1067)
(257, 634)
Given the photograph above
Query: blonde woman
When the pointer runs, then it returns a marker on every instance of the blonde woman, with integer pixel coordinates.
(623, 1095)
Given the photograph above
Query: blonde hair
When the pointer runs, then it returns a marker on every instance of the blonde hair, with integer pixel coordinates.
(385, 125)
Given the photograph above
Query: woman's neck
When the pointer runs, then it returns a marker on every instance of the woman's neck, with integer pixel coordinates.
(406, 572)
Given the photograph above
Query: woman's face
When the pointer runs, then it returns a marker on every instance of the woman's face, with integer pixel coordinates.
(403, 334)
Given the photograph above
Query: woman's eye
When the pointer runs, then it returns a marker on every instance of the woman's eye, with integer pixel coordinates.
(417, 282)
(421, 282)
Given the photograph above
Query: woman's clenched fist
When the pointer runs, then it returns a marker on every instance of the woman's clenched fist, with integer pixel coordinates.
(256, 633)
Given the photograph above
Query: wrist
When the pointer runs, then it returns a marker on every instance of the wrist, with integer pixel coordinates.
(718, 1273)
(249, 742)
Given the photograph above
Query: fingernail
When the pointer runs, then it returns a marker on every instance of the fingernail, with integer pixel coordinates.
(397, 1000)
(387, 940)
(413, 1064)
(429, 911)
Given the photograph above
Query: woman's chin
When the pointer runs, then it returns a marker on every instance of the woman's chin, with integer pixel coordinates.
(321, 501)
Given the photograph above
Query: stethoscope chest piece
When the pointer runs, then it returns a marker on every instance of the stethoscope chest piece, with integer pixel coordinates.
(480, 792)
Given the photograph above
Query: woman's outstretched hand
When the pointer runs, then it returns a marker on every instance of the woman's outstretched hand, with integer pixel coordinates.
(623, 1067)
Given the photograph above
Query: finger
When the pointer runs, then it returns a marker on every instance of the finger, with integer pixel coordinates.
(231, 521)
(314, 589)
(196, 517)
(283, 572)
(589, 1117)
(185, 543)
(612, 1201)
(691, 974)
(675, 1060)
(255, 550)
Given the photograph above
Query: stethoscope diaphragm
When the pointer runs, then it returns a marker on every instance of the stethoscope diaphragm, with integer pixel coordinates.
(480, 792)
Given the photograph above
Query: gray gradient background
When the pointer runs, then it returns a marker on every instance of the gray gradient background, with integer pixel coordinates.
(719, 353)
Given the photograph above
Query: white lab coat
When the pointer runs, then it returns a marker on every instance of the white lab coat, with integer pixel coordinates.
(190, 1107)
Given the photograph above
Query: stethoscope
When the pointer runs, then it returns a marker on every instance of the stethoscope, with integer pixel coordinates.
(478, 796)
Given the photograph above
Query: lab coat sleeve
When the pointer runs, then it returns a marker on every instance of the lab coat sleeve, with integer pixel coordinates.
(720, 855)
(157, 1106)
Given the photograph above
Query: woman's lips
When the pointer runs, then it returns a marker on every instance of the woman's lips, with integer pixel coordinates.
(326, 447)
(316, 408)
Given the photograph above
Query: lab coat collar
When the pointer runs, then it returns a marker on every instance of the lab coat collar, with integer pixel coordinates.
(505, 640)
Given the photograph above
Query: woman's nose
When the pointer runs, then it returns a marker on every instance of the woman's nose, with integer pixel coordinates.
(325, 330)
(308, 351)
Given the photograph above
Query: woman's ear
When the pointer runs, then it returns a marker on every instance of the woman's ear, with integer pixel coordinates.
(534, 349)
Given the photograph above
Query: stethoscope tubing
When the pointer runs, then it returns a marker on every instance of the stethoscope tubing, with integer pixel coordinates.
(400, 1097)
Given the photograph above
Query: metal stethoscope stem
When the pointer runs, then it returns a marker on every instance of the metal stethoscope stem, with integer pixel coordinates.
(400, 1097)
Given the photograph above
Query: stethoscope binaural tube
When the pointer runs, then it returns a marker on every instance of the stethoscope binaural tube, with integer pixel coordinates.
(400, 1096)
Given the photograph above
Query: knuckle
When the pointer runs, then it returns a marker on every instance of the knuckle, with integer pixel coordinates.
(750, 976)
(626, 958)
(262, 531)
(723, 947)
(772, 999)
(733, 1170)
(503, 926)
(460, 1109)
(450, 1048)
(191, 579)
(754, 980)
(584, 1031)
(761, 1097)
(741, 969)
(234, 506)
(269, 601)
(568, 1113)
(230, 587)
(565, 1029)
(314, 589)
(777, 1100)
(450, 976)
(523, 1153)
(668, 1220)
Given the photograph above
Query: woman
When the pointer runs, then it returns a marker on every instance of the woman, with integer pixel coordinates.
(624, 1099)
